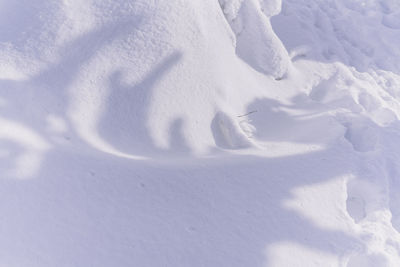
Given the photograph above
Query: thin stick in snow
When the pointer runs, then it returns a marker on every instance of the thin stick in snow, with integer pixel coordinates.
(251, 112)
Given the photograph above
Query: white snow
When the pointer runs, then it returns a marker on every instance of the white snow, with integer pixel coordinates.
(200, 133)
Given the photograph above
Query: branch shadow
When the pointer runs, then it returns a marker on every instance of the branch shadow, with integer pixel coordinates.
(34, 100)
(130, 133)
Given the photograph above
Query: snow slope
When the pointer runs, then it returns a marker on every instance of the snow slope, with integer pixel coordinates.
(200, 133)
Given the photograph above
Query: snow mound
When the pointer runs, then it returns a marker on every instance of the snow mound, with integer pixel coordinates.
(256, 42)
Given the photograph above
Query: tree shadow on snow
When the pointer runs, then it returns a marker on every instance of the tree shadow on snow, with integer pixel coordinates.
(95, 209)
(124, 120)
(110, 211)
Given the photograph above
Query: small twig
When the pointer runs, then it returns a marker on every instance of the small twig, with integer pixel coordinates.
(251, 112)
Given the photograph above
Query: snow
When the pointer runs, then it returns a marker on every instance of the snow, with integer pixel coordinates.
(250, 22)
(200, 133)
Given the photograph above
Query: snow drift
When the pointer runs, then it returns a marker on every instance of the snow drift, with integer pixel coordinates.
(199, 133)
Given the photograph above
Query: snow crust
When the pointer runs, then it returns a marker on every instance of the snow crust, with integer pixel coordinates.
(200, 133)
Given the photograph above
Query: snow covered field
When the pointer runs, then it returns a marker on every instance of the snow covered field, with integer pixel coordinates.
(200, 133)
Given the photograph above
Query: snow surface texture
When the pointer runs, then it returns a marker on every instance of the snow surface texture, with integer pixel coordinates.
(200, 133)
(256, 42)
